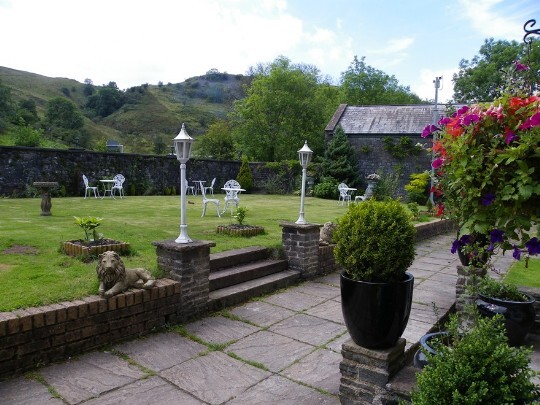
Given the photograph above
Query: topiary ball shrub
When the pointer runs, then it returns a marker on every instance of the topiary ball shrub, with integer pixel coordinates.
(477, 367)
(375, 241)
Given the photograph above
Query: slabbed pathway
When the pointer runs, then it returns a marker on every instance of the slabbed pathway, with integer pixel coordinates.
(284, 348)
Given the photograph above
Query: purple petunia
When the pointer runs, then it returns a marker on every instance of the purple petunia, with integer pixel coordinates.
(517, 253)
(520, 66)
(510, 137)
(496, 236)
(437, 163)
(455, 246)
(533, 246)
(428, 130)
(465, 240)
(488, 199)
(470, 119)
(463, 110)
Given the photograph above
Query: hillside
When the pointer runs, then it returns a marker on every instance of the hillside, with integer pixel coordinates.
(149, 113)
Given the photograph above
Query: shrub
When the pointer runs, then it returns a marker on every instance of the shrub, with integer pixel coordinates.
(244, 177)
(375, 241)
(478, 367)
(387, 186)
(327, 188)
(418, 187)
(27, 136)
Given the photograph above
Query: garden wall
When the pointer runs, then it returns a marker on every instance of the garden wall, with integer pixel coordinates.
(145, 174)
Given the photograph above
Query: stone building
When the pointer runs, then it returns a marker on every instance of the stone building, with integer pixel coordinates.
(387, 138)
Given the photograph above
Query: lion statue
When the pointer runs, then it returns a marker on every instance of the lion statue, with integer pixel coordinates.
(115, 279)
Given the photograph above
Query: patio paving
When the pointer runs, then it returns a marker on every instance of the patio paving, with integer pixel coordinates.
(284, 348)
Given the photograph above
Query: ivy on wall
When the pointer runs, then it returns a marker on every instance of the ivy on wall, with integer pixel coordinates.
(402, 148)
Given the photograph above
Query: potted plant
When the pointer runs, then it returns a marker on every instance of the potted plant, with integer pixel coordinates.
(93, 242)
(517, 307)
(375, 246)
(476, 366)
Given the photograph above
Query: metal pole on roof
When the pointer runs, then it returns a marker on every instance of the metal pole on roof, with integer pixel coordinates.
(437, 83)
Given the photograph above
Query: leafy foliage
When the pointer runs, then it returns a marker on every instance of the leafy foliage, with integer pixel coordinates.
(89, 224)
(478, 367)
(340, 160)
(240, 215)
(217, 143)
(27, 136)
(362, 84)
(481, 78)
(63, 113)
(244, 177)
(403, 148)
(107, 100)
(375, 241)
(282, 109)
(490, 287)
(326, 188)
(418, 186)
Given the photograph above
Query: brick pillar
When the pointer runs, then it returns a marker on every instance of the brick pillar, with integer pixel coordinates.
(365, 372)
(468, 276)
(301, 247)
(188, 263)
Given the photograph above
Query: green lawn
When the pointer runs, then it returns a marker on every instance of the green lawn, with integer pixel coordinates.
(49, 276)
(526, 277)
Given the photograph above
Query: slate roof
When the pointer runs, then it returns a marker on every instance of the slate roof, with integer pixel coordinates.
(383, 119)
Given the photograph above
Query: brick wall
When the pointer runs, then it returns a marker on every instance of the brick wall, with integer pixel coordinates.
(33, 336)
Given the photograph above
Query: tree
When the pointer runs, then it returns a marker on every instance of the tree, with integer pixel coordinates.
(107, 100)
(340, 161)
(362, 84)
(480, 79)
(244, 177)
(27, 111)
(217, 143)
(64, 114)
(282, 109)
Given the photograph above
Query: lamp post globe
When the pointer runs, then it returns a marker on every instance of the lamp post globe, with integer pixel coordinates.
(182, 148)
(304, 156)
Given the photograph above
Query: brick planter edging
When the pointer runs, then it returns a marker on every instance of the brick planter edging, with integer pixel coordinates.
(42, 335)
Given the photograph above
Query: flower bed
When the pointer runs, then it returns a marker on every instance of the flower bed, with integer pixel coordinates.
(81, 248)
(240, 230)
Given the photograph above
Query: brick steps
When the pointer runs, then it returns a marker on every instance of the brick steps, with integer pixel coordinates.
(241, 274)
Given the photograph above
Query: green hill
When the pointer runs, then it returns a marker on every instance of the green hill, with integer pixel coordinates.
(149, 114)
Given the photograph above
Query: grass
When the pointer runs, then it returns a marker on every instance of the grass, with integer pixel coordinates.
(49, 276)
(525, 277)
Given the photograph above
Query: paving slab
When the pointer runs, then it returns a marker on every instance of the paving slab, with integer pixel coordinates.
(330, 310)
(90, 375)
(218, 329)
(319, 369)
(280, 390)
(162, 350)
(331, 279)
(22, 391)
(262, 313)
(294, 300)
(308, 329)
(214, 378)
(273, 351)
(336, 344)
(319, 290)
(154, 390)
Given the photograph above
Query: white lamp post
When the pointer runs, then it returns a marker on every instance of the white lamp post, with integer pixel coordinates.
(305, 156)
(182, 147)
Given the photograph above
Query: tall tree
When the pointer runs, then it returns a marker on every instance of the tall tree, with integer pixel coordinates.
(217, 143)
(62, 113)
(340, 160)
(480, 78)
(281, 110)
(107, 100)
(362, 84)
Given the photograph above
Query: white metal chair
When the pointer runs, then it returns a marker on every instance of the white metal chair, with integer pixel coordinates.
(210, 188)
(232, 190)
(89, 189)
(118, 185)
(344, 195)
(190, 188)
(209, 200)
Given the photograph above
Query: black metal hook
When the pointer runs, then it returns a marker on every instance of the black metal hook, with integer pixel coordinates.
(527, 38)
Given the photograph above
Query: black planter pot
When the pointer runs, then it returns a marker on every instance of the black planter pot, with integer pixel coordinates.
(518, 316)
(426, 345)
(376, 314)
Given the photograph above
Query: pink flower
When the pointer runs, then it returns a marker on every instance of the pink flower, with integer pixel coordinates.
(428, 130)
(437, 163)
(531, 122)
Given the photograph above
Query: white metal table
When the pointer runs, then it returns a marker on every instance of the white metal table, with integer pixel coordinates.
(107, 188)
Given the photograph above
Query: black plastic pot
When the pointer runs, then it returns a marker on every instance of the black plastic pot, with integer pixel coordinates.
(426, 345)
(376, 314)
(519, 316)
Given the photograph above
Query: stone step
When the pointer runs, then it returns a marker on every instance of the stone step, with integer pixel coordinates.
(238, 274)
(237, 257)
(242, 292)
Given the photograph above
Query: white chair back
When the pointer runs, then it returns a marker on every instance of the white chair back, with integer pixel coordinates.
(85, 179)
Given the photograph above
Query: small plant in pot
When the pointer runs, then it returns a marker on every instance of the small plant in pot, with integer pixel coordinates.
(496, 297)
(375, 246)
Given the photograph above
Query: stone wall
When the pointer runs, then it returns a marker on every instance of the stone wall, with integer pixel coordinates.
(145, 174)
(373, 158)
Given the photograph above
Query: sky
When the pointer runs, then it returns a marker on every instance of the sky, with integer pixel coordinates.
(132, 42)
